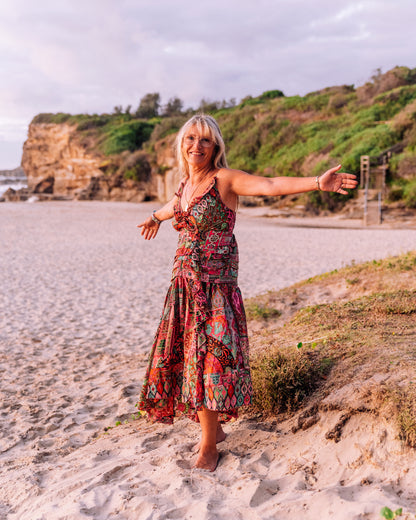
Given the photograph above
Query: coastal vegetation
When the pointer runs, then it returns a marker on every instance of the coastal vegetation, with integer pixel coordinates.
(272, 134)
(357, 343)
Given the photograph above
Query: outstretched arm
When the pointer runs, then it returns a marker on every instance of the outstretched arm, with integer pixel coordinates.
(150, 227)
(242, 183)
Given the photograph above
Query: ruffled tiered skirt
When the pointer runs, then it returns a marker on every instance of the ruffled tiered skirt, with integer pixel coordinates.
(199, 358)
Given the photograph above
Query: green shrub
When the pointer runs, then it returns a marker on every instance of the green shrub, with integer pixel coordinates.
(316, 101)
(324, 200)
(293, 102)
(395, 192)
(263, 312)
(394, 100)
(406, 165)
(127, 136)
(136, 167)
(409, 193)
(51, 118)
(167, 126)
(370, 141)
(271, 94)
(94, 121)
(282, 381)
(339, 101)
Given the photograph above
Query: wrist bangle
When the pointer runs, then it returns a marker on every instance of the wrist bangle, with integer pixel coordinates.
(317, 183)
(155, 219)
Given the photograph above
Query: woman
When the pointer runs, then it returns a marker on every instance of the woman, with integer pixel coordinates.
(199, 361)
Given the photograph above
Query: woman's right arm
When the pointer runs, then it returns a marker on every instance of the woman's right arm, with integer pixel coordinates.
(150, 227)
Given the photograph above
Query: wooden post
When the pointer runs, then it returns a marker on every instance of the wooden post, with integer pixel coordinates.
(373, 181)
(364, 170)
(364, 180)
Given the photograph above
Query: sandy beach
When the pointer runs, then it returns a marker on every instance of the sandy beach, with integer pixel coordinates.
(80, 301)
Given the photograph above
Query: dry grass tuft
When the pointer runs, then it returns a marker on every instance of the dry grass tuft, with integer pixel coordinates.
(257, 311)
(283, 381)
(405, 401)
(327, 347)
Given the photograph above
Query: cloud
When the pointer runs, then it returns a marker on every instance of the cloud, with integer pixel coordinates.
(88, 56)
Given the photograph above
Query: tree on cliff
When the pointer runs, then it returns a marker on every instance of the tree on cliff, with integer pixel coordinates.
(207, 106)
(173, 107)
(149, 106)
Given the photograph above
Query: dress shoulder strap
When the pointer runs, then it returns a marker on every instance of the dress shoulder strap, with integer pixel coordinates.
(179, 191)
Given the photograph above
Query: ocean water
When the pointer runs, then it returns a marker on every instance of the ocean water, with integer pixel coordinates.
(12, 182)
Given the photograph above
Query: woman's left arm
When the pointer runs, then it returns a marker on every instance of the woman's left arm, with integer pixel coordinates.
(242, 183)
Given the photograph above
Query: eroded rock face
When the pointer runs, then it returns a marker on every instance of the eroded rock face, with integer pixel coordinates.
(166, 170)
(57, 163)
(53, 151)
(12, 195)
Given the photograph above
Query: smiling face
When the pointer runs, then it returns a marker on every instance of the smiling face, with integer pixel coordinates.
(198, 127)
(198, 148)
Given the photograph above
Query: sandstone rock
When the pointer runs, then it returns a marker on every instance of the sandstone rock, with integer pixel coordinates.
(58, 163)
(54, 150)
(45, 185)
(95, 190)
(12, 195)
(166, 169)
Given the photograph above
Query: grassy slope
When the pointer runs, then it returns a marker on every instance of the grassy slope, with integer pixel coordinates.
(293, 135)
(350, 333)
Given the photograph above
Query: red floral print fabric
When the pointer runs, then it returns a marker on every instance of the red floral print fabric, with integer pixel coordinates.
(199, 357)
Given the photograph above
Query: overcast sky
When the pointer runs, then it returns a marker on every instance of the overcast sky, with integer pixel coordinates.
(90, 55)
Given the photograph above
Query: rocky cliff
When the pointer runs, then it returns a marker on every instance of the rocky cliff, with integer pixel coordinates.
(166, 169)
(121, 156)
(60, 162)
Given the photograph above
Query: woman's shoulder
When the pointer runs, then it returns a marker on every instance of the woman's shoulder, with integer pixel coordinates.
(228, 173)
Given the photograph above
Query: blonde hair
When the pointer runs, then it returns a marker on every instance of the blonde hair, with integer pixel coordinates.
(206, 125)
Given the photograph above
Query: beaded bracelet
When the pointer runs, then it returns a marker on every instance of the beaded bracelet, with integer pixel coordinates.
(155, 219)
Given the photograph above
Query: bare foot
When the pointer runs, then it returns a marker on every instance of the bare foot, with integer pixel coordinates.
(221, 436)
(207, 460)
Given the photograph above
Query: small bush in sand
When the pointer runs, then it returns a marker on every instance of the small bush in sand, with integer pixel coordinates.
(257, 311)
(367, 336)
(389, 514)
(405, 401)
(282, 381)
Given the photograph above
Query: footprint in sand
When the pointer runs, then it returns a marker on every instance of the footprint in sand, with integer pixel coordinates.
(265, 490)
(154, 442)
(129, 390)
(184, 464)
(261, 465)
(102, 455)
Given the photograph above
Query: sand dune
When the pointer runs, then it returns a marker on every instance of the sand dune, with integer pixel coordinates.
(81, 296)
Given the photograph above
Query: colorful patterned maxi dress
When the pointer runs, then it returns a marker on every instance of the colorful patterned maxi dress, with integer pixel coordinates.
(199, 356)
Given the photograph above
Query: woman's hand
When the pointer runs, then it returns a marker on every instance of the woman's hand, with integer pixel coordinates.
(149, 228)
(337, 182)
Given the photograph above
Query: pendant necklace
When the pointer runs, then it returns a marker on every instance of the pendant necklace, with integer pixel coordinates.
(188, 201)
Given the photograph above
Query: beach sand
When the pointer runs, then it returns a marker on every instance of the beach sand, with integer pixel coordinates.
(80, 302)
